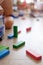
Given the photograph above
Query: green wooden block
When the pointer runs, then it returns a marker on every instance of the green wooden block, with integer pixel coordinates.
(15, 31)
(3, 47)
(19, 44)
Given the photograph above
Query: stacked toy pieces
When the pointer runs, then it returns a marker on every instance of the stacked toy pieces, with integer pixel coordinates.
(2, 27)
(4, 51)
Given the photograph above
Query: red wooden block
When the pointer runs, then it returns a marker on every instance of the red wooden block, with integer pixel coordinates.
(33, 55)
(28, 29)
(19, 32)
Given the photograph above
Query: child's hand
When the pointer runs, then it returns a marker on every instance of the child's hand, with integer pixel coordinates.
(8, 22)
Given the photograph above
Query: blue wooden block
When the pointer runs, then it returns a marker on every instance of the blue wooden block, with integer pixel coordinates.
(1, 34)
(14, 16)
(4, 53)
(10, 36)
(1, 31)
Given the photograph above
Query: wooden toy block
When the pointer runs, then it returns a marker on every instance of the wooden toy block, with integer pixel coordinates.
(10, 36)
(1, 36)
(19, 32)
(15, 30)
(14, 16)
(19, 44)
(33, 55)
(3, 47)
(0, 39)
(4, 53)
(28, 29)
